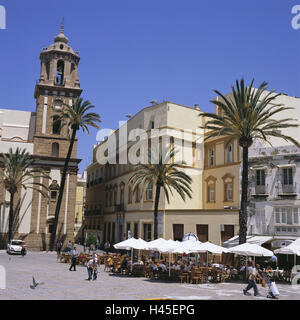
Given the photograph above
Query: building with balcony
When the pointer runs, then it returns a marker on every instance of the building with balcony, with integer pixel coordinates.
(113, 209)
(274, 194)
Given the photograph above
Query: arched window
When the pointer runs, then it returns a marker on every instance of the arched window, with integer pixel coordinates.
(56, 125)
(60, 72)
(55, 150)
(149, 193)
(211, 189)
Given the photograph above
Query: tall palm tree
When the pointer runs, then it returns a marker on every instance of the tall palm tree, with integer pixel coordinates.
(73, 116)
(162, 173)
(248, 115)
(19, 172)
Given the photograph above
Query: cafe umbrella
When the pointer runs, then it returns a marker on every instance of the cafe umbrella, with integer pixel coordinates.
(131, 243)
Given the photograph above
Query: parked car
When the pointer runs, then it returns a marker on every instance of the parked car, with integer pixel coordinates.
(14, 247)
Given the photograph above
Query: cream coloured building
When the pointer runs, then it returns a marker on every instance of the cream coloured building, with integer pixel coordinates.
(113, 209)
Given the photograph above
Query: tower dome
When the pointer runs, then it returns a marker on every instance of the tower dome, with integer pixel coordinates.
(61, 37)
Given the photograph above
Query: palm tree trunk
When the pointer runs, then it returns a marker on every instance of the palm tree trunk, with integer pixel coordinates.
(11, 216)
(157, 194)
(61, 190)
(244, 199)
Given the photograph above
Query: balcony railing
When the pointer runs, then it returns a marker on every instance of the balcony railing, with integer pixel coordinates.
(287, 189)
(261, 190)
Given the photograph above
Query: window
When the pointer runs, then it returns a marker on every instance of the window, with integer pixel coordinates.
(55, 150)
(178, 231)
(53, 195)
(149, 192)
(56, 125)
(227, 232)
(136, 230)
(211, 193)
(287, 216)
(228, 192)
(57, 104)
(202, 232)
(50, 228)
(288, 176)
(229, 153)
(147, 231)
(260, 177)
(60, 72)
(211, 157)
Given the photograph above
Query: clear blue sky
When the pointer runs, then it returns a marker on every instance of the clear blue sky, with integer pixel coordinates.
(134, 51)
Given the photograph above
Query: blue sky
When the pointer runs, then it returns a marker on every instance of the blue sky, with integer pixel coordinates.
(135, 51)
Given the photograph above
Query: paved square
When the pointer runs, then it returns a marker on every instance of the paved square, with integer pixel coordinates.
(62, 284)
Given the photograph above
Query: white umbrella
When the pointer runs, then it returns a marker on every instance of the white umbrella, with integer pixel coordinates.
(170, 247)
(293, 248)
(210, 247)
(156, 244)
(131, 243)
(251, 249)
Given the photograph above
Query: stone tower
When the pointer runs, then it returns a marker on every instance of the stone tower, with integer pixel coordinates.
(58, 85)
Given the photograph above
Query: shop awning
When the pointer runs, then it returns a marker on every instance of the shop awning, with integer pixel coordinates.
(250, 239)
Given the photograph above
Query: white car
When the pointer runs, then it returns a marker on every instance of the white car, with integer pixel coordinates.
(14, 247)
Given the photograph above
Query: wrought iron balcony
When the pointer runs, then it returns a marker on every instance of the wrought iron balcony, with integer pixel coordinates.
(287, 189)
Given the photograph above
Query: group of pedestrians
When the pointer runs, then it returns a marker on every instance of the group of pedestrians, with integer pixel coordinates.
(255, 272)
(92, 269)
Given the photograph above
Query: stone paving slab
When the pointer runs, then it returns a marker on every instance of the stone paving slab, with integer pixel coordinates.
(62, 284)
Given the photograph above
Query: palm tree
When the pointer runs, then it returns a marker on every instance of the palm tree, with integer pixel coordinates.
(161, 173)
(75, 116)
(245, 117)
(19, 172)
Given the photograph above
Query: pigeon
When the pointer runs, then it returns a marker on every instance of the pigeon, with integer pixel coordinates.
(34, 283)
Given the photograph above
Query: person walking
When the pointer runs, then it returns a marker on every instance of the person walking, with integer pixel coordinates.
(253, 273)
(23, 250)
(273, 262)
(74, 258)
(59, 246)
(92, 269)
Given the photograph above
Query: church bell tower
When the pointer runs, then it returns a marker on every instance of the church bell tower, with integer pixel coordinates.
(58, 85)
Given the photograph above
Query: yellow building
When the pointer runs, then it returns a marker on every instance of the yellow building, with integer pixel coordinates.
(113, 209)
(79, 207)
